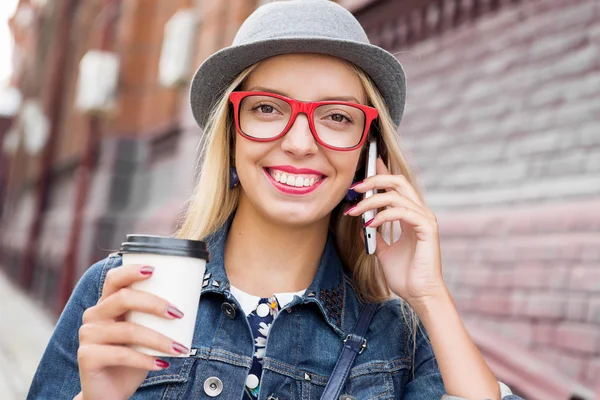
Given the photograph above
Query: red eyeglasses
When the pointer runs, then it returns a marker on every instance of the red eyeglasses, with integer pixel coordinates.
(337, 125)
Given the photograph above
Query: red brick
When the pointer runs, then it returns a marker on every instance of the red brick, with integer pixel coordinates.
(519, 331)
(139, 67)
(476, 277)
(546, 305)
(464, 300)
(577, 305)
(493, 303)
(530, 276)
(583, 338)
(502, 255)
(550, 354)
(519, 300)
(491, 325)
(585, 278)
(536, 252)
(571, 252)
(456, 251)
(557, 277)
(462, 225)
(594, 311)
(546, 219)
(520, 225)
(573, 365)
(502, 279)
(544, 333)
(451, 276)
(593, 373)
(590, 252)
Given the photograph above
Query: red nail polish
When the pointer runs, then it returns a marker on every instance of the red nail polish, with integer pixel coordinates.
(348, 210)
(179, 348)
(146, 270)
(161, 363)
(368, 222)
(174, 312)
(356, 184)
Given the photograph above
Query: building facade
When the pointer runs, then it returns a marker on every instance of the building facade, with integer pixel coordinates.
(502, 125)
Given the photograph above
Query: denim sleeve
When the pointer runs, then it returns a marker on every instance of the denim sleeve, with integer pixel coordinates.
(427, 384)
(426, 381)
(57, 375)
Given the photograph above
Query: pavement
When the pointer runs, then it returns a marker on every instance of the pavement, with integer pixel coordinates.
(25, 329)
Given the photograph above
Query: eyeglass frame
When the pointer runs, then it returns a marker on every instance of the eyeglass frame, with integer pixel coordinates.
(302, 107)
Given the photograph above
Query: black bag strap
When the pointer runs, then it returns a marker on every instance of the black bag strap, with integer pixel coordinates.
(355, 343)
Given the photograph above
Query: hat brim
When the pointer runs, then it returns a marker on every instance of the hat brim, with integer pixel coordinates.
(217, 72)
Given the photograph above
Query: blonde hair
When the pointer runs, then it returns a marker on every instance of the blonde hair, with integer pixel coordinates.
(213, 202)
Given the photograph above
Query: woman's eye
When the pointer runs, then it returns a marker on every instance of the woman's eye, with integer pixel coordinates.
(265, 108)
(339, 118)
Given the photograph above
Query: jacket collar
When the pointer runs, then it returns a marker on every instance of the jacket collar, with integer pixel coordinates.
(327, 289)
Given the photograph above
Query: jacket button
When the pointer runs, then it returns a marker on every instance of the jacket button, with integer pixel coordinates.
(347, 397)
(228, 309)
(213, 386)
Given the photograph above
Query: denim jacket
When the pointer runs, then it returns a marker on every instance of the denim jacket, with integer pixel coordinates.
(304, 343)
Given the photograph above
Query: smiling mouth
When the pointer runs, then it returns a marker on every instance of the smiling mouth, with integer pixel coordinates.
(295, 180)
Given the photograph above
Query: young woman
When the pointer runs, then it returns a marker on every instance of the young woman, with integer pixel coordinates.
(287, 112)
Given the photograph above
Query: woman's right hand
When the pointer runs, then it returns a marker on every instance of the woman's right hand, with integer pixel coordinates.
(108, 368)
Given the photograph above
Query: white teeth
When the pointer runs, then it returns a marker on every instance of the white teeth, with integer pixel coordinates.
(293, 180)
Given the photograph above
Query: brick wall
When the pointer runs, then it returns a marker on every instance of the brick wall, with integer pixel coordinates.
(503, 124)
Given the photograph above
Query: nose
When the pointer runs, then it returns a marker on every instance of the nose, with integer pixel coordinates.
(299, 140)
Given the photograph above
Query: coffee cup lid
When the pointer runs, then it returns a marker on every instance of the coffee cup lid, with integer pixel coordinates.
(162, 245)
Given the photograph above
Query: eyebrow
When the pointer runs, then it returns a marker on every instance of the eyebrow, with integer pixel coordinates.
(351, 99)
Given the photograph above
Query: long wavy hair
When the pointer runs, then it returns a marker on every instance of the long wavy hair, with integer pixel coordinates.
(212, 201)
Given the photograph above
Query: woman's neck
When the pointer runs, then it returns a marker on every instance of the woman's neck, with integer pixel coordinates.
(263, 257)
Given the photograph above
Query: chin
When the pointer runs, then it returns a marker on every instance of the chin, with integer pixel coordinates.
(295, 216)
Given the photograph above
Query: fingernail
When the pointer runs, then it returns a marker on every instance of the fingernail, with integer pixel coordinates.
(146, 270)
(356, 184)
(161, 363)
(179, 348)
(368, 222)
(348, 210)
(174, 312)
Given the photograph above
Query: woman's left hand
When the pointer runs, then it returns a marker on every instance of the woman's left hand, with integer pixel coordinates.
(412, 265)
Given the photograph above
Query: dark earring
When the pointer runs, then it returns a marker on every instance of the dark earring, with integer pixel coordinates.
(233, 178)
(351, 196)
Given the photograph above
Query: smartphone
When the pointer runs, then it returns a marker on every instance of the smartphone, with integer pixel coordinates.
(370, 233)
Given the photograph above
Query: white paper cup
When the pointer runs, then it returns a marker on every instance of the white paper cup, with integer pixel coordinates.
(179, 267)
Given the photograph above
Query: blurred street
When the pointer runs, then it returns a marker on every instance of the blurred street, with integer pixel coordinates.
(25, 329)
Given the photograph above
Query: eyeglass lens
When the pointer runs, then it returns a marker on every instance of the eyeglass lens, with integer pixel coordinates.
(337, 125)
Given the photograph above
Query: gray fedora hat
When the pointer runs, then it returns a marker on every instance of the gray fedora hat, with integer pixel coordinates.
(297, 26)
